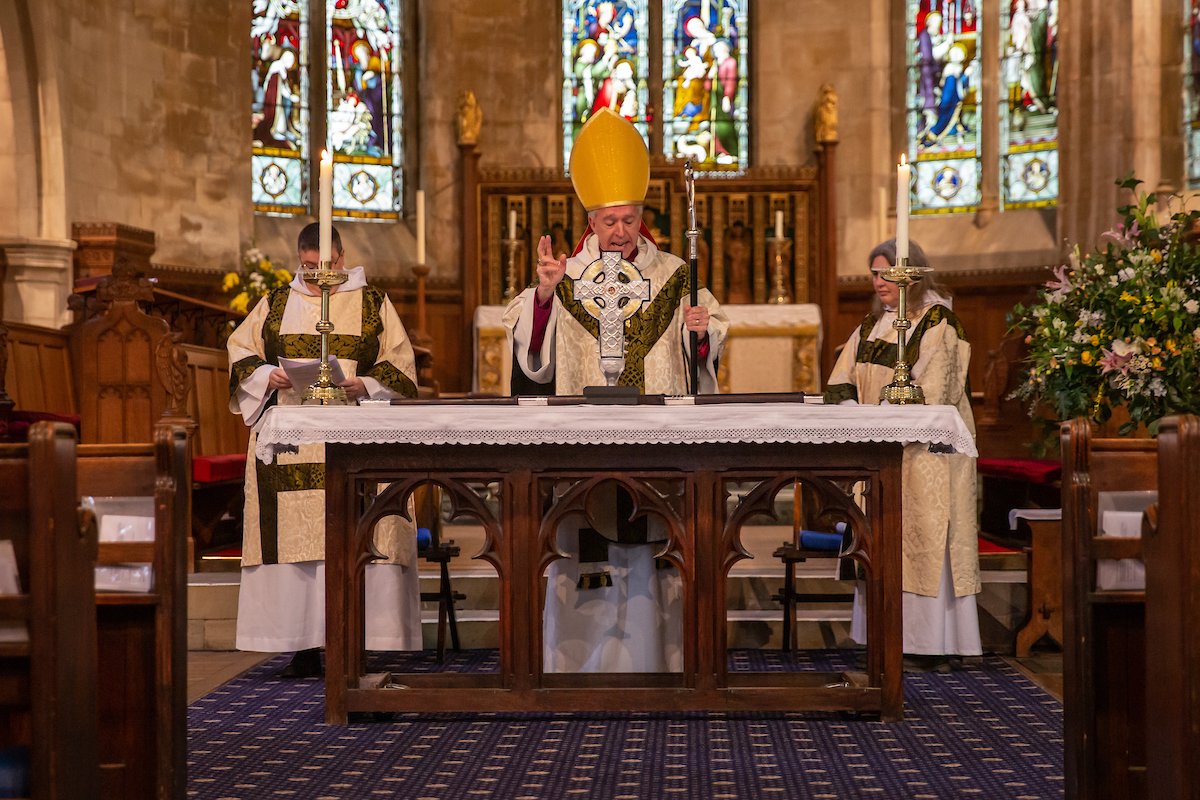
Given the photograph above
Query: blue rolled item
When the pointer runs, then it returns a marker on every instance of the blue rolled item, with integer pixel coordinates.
(14, 772)
(819, 540)
(424, 538)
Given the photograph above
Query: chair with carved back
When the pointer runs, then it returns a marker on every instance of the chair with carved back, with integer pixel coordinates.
(131, 363)
(1104, 647)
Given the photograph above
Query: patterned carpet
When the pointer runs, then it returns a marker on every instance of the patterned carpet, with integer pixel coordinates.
(984, 731)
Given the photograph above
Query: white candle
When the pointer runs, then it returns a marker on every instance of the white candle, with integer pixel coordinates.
(326, 215)
(421, 227)
(778, 224)
(903, 175)
(512, 223)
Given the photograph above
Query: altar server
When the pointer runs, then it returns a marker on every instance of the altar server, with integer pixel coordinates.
(940, 543)
(618, 610)
(281, 605)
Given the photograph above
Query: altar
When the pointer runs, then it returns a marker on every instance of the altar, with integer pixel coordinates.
(520, 469)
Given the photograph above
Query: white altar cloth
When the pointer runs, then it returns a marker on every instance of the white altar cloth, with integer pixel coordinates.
(436, 424)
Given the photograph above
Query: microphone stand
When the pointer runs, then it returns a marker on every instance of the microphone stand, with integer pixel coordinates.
(693, 236)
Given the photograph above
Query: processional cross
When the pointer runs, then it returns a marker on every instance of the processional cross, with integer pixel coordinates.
(612, 301)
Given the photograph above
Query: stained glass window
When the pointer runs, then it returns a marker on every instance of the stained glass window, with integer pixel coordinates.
(1029, 108)
(1191, 94)
(605, 63)
(279, 110)
(363, 100)
(943, 90)
(705, 49)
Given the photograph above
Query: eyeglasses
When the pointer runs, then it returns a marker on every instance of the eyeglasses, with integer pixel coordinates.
(312, 266)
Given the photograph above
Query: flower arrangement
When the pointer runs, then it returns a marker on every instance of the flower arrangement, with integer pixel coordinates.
(1121, 325)
(256, 278)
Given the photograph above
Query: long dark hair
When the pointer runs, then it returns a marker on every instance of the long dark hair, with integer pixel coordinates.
(917, 292)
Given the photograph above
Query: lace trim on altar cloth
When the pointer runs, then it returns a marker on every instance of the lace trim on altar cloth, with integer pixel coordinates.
(759, 423)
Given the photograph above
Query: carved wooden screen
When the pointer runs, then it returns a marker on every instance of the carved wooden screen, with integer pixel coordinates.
(736, 217)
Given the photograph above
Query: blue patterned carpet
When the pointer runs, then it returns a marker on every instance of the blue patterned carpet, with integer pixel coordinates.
(985, 731)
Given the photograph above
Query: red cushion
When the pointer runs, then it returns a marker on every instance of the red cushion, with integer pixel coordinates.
(16, 427)
(986, 547)
(210, 469)
(1031, 470)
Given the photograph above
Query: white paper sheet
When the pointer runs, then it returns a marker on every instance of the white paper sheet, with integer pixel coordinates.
(303, 372)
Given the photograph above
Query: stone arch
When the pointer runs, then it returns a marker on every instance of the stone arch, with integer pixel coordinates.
(33, 203)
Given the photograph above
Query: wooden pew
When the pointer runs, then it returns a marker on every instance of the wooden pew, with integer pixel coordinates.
(48, 683)
(218, 447)
(143, 636)
(1173, 616)
(1104, 647)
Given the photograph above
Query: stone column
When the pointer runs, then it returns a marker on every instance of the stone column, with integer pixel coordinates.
(38, 280)
(1115, 82)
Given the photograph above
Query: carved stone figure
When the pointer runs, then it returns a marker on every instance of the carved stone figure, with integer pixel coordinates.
(826, 115)
(470, 118)
(737, 264)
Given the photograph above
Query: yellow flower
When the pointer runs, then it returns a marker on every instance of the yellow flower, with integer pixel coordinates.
(1157, 256)
(1129, 298)
(1156, 362)
(1095, 341)
(231, 280)
(283, 275)
(1086, 356)
(240, 303)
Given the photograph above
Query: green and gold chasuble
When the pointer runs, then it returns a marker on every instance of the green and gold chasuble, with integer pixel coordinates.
(285, 500)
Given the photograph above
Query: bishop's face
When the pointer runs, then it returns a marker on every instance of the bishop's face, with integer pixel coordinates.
(617, 229)
(887, 292)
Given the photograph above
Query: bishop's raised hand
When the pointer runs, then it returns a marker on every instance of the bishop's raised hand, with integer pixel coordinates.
(550, 270)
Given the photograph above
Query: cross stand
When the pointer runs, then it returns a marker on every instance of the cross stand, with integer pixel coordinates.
(612, 301)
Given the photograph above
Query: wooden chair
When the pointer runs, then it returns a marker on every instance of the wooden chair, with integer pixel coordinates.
(426, 500)
(143, 636)
(1173, 615)
(804, 516)
(48, 683)
(1104, 641)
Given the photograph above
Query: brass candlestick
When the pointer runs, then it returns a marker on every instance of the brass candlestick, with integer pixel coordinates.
(514, 250)
(902, 391)
(324, 392)
(780, 293)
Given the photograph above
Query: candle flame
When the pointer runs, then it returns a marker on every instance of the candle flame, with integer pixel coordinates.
(903, 159)
(325, 156)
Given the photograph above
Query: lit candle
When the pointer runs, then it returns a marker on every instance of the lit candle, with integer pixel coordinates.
(778, 224)
(903, 176)
(512, 223)
(421, 227)
(326, 215)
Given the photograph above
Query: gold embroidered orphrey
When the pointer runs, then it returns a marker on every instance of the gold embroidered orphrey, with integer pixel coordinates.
(600, 291)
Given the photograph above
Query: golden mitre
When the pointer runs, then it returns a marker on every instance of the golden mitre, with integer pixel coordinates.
(610, 165)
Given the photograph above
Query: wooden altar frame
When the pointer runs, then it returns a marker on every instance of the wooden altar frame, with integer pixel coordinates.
(519, 544)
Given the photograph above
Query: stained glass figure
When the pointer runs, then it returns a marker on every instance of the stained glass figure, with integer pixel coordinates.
(1029, 108)
(705, 64)
(1191, 94)
(363, 99)
(279, 114)
(605, 63)
(943, 92)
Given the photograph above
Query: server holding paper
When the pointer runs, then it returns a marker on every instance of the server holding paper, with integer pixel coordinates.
(281, 605)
